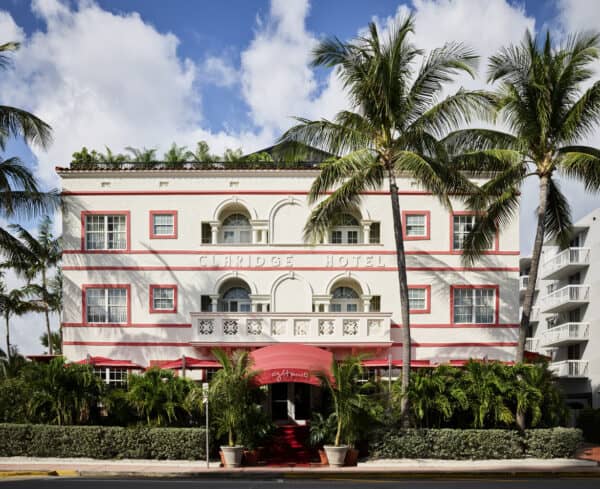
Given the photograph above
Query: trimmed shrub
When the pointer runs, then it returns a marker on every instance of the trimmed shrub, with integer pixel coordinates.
(477, 444)
(101, 442)
(552, 442)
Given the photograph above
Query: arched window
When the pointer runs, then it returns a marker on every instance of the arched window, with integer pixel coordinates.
(236, 299)
(345, 299)
(237, 229)
(345, 230)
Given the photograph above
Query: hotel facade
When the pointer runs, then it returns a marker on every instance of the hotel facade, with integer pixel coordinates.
(163, 265)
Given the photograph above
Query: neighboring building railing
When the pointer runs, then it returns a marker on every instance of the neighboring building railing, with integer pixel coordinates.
(523, 282)
(194, 165)
(570, 368)
(570, 256)
(567, 294)
(566, 333)
(532, 345)
(312, 328)
(534, 317)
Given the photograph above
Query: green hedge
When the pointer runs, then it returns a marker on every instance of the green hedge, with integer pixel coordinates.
(102, 442)
(478, 444)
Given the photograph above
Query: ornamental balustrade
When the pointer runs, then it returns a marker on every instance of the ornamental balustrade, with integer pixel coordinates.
(212, 328)
(570, 368)
(567, 297)
(565, 260)
(565, 334)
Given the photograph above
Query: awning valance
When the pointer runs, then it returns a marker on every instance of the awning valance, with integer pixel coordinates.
(190, 364)
(109, 362)
(290, 363)
(384, 363)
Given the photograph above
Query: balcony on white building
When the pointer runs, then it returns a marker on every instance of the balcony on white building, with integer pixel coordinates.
(565, 298)
(532, 345)
(566, 334)
(523, 283)
(534, 317)
(565, 263)
(326, 329)
(571, 369)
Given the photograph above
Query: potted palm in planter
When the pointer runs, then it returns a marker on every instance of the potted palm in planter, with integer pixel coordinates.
(321, 429)
(347, 401)
(230, 392)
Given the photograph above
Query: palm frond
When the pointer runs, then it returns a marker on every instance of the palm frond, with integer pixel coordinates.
(558, 219)
(464, 140)
(16, 122)
(582, 163)
(27, 205)
(7, 47)
(488, 160)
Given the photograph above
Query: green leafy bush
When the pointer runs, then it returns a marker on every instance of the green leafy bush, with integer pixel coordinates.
(102, 442)
(477, 444)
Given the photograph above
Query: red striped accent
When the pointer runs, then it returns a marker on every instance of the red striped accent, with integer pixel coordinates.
(305, 269)
(125, 343)
(226, 192)
(127, 326)
(452, 345)
(264, 251)
(457, 326)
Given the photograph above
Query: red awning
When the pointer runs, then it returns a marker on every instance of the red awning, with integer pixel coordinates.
(383, 363)
(290, 363)
(109, 362)
(190, 363)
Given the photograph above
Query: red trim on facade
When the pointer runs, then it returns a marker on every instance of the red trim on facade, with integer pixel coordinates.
(85, 287)
(224, 192)
(427, 309)
(496, 288)
(162, 213)
(132, 325)
(305, 269)
(458, 325)
(126, 343)
(127, 215)
(469, 213)
(427, 234)
(151, 295)
(266, 251)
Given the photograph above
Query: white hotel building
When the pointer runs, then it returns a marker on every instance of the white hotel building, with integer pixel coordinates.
(162, 264)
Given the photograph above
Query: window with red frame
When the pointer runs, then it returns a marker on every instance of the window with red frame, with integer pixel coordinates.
(418, 299)
(163, 224)
(416, 225)
(163, 299)
(106, 305)
(474, 305)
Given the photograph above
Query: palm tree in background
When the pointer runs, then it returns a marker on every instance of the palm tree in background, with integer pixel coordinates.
(542, 99)
(143, 155)
(55, 339)
(20, 196)
(176, 154)
(44, 253)
(202, 153)
(13, 303)
(395, 128)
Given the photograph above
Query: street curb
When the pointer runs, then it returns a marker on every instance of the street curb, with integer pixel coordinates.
(27, 473)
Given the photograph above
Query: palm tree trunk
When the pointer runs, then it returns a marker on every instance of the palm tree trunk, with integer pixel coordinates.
(404, 306)
(338, 434)
(520, 420)
(47, 313)
(7, 336)
(535, 263)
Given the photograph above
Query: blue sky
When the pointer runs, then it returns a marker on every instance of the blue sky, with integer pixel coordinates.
(231, 72)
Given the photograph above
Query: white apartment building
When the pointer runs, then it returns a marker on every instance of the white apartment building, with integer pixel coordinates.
(162, 264)
(565, 315)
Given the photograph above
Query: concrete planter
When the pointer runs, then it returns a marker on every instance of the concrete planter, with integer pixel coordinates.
(232, 456)
(336, 455)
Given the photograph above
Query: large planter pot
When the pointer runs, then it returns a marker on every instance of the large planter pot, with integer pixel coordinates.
(232, 456)
(250, 458)
(351, 458)
(323, 457)
(336, 455)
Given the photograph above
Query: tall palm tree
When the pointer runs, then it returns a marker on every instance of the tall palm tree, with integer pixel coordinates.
(44, 253)
(394, 128)
(143, 155)
(202, 153)
(55, 343)
(541, 97)
(16, 122)
(13, 303)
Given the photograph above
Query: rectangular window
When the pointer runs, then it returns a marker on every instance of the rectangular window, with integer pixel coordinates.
(352, 237)
(163, 224)
(206, 233)
(105, 231)
(163, 298)
(115, 377)
(335, 308)
(376, 303)
(375, 233)
(461, 227)
(417, 299)
(205, 303)
(474, 305)
(336, 237)
(351, 307)
(106, 305)
(415, 225)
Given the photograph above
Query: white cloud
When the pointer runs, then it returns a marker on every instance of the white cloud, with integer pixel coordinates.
(219, 72)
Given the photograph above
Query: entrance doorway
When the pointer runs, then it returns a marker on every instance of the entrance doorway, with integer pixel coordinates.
(292, 402)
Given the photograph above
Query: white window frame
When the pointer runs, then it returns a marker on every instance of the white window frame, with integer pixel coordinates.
(113, 376)
(106, 306)
(170, 227)
(408, 225)
(411, 305)
(476, 303)
(172, 298)
(240, 234)
(104, 232)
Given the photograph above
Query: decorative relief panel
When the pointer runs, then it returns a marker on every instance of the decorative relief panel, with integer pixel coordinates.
(301, 327)
(278, 327)
(326, 327)
(206, 326)
(350, 327)
(231, 326)
(254, 326)
(374, 327)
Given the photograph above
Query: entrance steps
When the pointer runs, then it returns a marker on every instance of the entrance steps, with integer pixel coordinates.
(289, 446)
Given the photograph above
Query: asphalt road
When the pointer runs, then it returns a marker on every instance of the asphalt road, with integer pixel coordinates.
(56, 483)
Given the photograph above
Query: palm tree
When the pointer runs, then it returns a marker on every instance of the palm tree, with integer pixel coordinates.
(542, 99)
(13, 303)
(143, 155)
(56, 341)
(44, 253)
(177, 154)
(230, 391)
(394, 129)
(202, 153)
(110, 157)
(527, 395)
(16, 122)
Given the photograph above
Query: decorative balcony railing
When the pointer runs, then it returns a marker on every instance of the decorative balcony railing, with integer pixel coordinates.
(566, 334)
(532, 345)
(212, 328)
(565, 298)
(570, 368)
(565, 262)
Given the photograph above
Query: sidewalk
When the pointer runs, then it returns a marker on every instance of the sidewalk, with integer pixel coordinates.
(25, 466)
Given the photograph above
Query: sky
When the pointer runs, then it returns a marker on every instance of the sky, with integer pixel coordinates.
(145, 73)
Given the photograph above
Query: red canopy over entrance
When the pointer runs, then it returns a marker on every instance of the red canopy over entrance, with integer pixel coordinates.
(190, 364)
(290, 363)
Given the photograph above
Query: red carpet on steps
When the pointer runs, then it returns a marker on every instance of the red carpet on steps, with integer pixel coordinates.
(289, 446)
